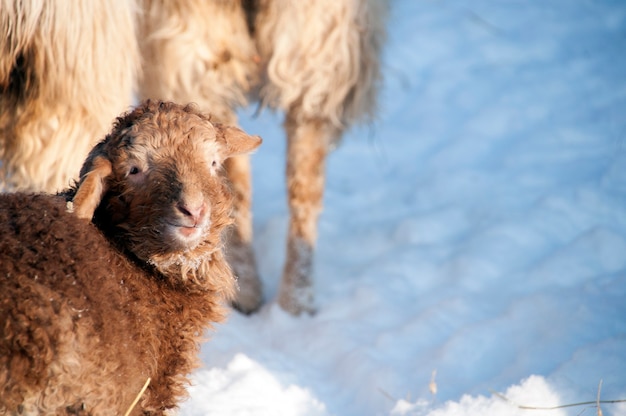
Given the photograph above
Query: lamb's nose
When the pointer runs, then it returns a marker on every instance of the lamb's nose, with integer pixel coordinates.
(195, 212)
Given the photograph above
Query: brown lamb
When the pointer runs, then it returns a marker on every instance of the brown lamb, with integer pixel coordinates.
(90, 311)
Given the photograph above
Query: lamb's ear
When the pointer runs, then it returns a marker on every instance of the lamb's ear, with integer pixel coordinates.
(237, 141)
(92, 186)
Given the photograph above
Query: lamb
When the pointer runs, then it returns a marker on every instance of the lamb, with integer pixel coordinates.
(90, 311)
(317, 61)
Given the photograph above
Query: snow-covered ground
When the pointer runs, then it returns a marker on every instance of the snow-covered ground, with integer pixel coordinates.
(473, 239)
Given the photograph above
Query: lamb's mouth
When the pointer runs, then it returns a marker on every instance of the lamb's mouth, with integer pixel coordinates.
(187, 233)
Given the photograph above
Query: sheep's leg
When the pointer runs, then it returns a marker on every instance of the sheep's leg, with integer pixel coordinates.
(307, 147)
(239, 250)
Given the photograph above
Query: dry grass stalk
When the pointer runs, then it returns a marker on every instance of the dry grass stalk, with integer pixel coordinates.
(596, 402)
(432, 386)
(141, 392)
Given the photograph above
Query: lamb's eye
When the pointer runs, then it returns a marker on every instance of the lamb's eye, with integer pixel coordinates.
(133, 171)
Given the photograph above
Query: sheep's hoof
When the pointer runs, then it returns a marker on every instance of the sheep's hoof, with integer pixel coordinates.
(296, 294)
(250, 294)
(297, 300)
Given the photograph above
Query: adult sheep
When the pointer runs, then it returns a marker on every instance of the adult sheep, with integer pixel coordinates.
(89, 313)
(63, 66)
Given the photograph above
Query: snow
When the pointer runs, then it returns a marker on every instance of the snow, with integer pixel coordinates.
(473, 238)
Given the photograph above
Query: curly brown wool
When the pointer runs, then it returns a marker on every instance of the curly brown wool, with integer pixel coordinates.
(120, 287)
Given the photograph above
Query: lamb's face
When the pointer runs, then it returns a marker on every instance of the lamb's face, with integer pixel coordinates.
(155, 183)
(167, 185)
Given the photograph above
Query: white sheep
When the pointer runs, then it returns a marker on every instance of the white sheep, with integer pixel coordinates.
(65, 67)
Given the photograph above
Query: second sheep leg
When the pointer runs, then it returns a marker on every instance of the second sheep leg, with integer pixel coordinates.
(308, 143)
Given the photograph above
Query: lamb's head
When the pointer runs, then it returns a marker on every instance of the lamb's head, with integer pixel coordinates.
(154, 186)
